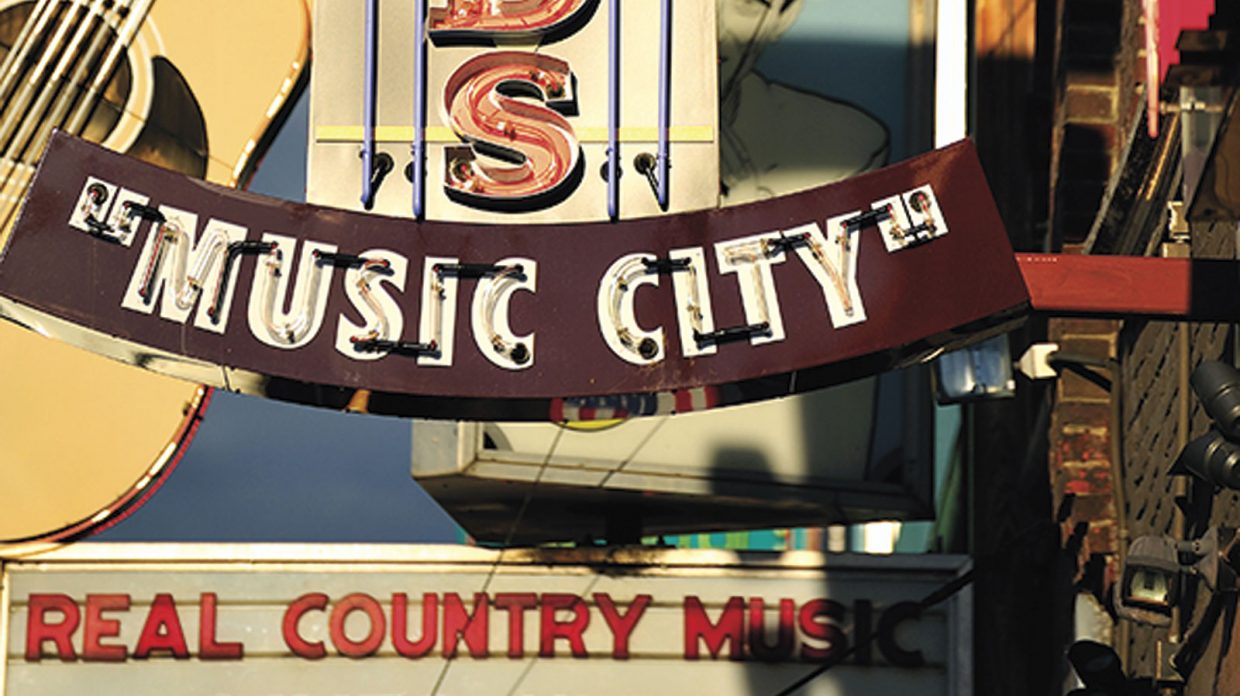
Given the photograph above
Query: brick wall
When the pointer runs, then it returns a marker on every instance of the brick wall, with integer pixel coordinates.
(1095, 107)
(1080, 450)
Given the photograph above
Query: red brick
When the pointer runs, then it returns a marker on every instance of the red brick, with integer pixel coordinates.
(1094, 415)
(1074, 386)
(1102, 538)
(1093, 507)
(1112, 569)
(1094, 480)
(1084, 452)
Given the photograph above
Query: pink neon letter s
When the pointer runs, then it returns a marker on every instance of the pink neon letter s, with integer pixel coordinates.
(482, 21)
(537, 159)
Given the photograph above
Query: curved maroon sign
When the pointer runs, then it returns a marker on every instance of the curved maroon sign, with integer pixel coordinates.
(674, 313)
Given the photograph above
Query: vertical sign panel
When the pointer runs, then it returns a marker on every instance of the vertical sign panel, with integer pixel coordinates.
(516, 102)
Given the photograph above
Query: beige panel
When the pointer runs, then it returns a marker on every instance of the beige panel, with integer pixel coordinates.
(336, 111)
(255, 585)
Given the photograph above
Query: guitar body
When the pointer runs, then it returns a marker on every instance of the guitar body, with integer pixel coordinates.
(194, 86)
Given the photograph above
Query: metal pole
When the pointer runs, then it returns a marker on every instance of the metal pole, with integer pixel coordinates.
(613, 110)
(665, 101)
(418, 147)
(370, 61)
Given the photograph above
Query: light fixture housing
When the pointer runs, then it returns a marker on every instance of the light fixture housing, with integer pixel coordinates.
(1151, 580)
(1213, 459)
(1149, 584)
(978, 372)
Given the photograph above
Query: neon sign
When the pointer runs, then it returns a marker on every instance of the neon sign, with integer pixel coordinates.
(450, 319)
(543, 155)
(487, 102)
(477, 21)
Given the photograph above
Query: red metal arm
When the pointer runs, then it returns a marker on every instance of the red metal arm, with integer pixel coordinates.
(1124, 286)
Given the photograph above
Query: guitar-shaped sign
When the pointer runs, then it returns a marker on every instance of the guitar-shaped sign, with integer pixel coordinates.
(192, 86)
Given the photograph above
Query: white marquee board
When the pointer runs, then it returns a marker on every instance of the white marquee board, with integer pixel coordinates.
(634, 617)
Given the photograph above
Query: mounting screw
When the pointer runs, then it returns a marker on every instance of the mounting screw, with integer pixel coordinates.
(920, 201)
(97, 193)
(520, 354)
(602, 171)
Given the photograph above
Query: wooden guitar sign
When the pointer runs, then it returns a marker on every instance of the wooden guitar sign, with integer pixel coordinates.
(192, 86)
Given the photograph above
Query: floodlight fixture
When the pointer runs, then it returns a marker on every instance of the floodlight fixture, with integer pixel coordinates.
(1149, 584)
(1215, 456)
(1152, 578)
(1217, 384)
(1213, 459)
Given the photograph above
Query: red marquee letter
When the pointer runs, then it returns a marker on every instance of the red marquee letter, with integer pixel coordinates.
(621, 625)
(891, 649)
(785, 635)
(39, 630)
(729, 628)
(208, 648)
(457, 624)
(162, 630)
(400, 621)
(570, 630)
(483, 22)
(97, 627)
(515, 603)
(340, 613)
(814, 624)
(300, 646)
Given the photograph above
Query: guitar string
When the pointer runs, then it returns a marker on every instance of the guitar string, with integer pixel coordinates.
(23, 74)
(20, 102)
(90, 97)
(69, 91)
(42, 112)
(511, 534)
(16, 57)
(20, 106)
(133, 21)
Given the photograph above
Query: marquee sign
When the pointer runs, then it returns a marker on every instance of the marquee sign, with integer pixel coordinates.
(237, 619)
(681, 312)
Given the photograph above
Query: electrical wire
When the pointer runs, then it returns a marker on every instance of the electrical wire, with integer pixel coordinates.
(512, 533)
